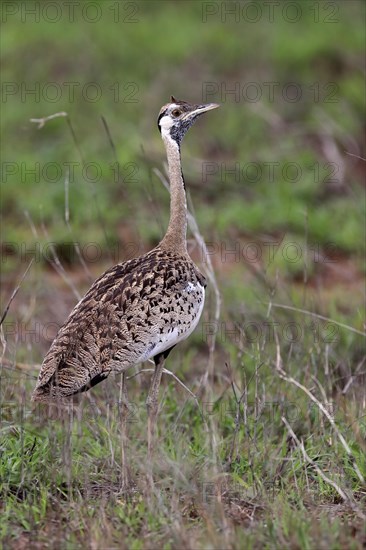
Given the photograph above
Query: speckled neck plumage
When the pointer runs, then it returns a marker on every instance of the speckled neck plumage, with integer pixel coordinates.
(175, 237)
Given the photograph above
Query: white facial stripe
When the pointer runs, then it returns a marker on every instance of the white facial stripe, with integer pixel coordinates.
(166, 122)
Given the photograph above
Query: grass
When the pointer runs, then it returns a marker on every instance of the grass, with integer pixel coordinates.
(214, 487)
(281, 206)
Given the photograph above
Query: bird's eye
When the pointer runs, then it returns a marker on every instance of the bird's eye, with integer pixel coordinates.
(176, 112)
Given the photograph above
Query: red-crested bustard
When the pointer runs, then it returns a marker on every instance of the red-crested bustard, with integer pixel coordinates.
(139, 309)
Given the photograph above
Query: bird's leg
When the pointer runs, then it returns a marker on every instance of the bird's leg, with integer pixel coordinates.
(152, 402)
(125, 409)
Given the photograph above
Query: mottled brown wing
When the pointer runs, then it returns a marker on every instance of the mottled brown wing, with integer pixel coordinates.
(127, 314)
(85, 344)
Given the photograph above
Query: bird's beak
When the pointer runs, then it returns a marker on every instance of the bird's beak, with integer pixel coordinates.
(200, 109)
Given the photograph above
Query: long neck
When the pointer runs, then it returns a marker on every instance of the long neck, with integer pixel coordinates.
(176, 236)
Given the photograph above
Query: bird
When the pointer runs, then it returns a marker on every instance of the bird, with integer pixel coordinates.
(139, 309)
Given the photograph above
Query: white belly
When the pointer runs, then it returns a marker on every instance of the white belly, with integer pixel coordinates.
(178, 331)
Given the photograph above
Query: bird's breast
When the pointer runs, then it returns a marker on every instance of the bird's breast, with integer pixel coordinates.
(177, 315)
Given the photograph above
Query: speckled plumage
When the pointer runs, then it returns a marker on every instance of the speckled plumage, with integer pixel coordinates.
(136, 310)
(123, 319)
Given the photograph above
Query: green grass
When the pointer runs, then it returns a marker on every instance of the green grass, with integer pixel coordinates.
(62, 478)
(271, 177)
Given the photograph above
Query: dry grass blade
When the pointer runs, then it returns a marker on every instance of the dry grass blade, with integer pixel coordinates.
(209, 271)
(327, 319)
(355, 156)
(326, 413)
(67, 221)
(42, 121)
(324, 477)
(7, 363)
(14, 293)
(59, 267)
(354, 375)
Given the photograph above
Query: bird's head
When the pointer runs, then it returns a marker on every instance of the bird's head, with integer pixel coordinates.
(177, 116)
